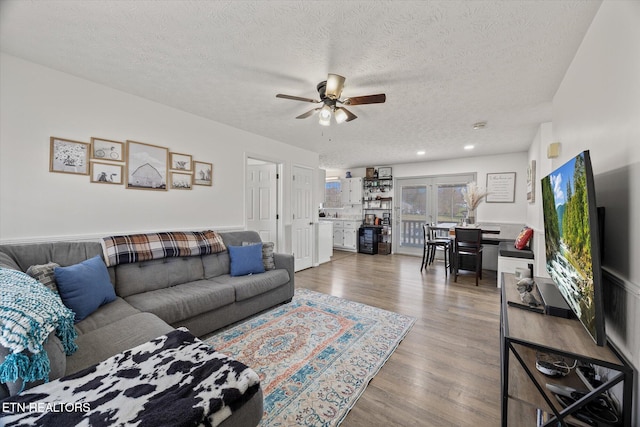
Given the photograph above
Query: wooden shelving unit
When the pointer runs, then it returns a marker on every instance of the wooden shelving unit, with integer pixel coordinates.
(524, 392)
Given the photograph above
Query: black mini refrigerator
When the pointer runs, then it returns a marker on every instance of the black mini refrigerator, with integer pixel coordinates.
(368, 238)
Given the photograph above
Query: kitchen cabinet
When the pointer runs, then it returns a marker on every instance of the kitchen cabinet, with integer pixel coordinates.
(325, 241)
(351, 191)
(345, 235)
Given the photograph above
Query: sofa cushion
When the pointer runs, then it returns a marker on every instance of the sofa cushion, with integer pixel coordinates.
(156, 274)
(506, 249)
(183, 301)
(105, 315)
(216, 264)
(256, 284)
(64, 253)
(100, 344)
(85, 286)
(246, 260)
(44, 273)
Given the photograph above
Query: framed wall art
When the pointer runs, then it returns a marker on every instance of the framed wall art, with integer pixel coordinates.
(202, 173)
(501, 187)
(181, 181)
(147, 166)
(384, 172)
(181, 162)
(105, 149)
(106, 173)
(67, 156)
(531, 182)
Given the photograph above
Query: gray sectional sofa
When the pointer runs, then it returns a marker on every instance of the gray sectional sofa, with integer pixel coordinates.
(154, 297)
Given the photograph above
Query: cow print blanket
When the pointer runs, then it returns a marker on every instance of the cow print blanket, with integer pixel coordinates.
(173, 380)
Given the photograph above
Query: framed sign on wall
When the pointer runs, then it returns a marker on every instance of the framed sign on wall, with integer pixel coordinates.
(501, 187)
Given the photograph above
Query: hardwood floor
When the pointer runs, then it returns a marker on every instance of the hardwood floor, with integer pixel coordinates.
(446, 372)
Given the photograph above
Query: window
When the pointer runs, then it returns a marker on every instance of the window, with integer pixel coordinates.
(332, 194)
(451, 206)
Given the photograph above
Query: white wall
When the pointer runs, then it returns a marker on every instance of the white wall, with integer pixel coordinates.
(487, 212)
(597, 108)
(37, 103)
(535, 217)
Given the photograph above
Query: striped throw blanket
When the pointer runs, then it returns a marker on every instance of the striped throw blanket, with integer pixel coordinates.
(29, 312)
(144, 247)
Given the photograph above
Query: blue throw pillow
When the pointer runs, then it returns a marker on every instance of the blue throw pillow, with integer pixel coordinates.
(246, 260)
(84, 287)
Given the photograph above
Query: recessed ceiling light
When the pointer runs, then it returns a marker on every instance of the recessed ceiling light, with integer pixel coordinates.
(479, 125)
(421, 153)
(468, 147)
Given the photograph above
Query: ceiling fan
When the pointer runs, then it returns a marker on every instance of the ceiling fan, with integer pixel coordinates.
(330, 91)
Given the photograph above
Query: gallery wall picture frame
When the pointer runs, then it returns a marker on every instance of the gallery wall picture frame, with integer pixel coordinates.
(384, 172)
(181, 181)
(107, 150)
(531, 182)
(147, 166)
(501, 187)
(106, 173)
(181, 162)
(68, 156)
(202, 173)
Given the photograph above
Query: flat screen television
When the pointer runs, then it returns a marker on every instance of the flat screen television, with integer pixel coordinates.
(572, 241)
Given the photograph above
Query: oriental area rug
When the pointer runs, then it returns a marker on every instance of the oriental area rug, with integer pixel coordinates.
(315, 355)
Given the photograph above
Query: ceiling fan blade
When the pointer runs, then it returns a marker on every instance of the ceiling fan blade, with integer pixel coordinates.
(297, 98)
(368, 99)
(335, 84)
(350, 115)
(307, 114)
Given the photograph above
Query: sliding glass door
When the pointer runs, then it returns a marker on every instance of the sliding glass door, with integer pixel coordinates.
(432, 199)
(412, 211)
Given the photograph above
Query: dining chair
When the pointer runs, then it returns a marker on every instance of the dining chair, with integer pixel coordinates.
(431, 244)
(468, 248)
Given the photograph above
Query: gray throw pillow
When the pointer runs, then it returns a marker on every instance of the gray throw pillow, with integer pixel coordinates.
(45, 274)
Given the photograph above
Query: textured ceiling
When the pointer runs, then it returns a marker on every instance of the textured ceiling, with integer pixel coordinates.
(443, 65)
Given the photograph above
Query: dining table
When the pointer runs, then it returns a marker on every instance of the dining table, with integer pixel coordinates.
(489, 229)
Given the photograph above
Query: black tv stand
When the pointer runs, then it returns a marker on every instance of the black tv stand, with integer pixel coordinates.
(525, 396)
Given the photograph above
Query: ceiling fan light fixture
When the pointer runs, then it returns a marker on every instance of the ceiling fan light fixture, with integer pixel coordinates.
(335, 83)
(340, 115)
(325, 116)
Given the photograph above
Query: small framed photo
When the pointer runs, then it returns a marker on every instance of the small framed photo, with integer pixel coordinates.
(180, 162)
(370, 172)
(147, 166)
(104, 149)
(181, 181)
(106, 173)
(203, 173)
(384, 172)
(67, 156)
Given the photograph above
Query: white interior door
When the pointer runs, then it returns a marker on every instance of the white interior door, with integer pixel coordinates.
(302, 224)
(262, 205)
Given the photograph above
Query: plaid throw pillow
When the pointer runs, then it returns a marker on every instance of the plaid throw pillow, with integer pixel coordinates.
(44, 274)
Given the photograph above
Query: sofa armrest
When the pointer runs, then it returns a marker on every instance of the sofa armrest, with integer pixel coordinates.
(286, 261)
